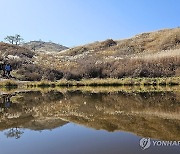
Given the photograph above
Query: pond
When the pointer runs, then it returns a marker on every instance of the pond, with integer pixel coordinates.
(86, 122)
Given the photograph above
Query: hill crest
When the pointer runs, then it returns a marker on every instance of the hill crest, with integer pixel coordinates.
(41, 46)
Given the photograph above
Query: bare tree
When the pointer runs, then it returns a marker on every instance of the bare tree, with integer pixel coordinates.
(14, 133)
(14, 39)
(10, 39)
(18, 39)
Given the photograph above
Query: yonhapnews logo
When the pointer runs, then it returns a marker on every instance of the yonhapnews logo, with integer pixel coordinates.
(145, 143)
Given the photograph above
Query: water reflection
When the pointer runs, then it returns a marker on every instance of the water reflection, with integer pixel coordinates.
(154, 115)
(5, 102)
(14, 133)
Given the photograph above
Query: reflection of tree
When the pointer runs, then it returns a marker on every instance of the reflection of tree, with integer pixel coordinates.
(14, 133)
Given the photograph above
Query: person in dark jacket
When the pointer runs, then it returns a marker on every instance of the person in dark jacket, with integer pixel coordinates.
(8, 70)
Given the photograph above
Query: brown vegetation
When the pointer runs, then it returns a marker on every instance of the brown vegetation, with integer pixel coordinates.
(155, 54)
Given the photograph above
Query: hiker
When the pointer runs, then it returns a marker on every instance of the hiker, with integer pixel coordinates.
(2, 67)
(8, 70)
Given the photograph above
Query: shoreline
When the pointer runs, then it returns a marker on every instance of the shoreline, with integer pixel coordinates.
(164, 81)
(124, 84)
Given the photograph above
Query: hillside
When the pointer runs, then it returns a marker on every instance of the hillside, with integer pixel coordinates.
(24, 64)
(154, 54)
(168, 39)
(42, 46)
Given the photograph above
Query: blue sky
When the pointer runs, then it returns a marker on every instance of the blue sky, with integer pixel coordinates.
(77, 22)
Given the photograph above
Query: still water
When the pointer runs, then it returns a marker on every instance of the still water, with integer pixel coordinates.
(77, 122)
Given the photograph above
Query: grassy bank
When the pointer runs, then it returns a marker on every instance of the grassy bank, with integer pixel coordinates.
(8, 84)
(97, 85)
(141, 82)
(171, 81)
(108, 89)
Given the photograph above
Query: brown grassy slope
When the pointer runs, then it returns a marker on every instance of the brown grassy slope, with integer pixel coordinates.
(14, 50)
(16, 55)
(167, 39)
(155, 54)
(24, 64)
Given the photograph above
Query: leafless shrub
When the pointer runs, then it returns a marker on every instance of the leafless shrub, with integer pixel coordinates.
(52, 75)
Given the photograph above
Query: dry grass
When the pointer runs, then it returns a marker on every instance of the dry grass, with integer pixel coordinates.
(146, 55)
(149, 55)
(8, 83)
(173, 81)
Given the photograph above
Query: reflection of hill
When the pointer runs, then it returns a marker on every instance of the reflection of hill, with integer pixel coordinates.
(31, 123)
(22, 112)
(42, 124)
(153, 115)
